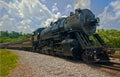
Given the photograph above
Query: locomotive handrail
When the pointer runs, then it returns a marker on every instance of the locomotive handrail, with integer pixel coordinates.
(80, 40)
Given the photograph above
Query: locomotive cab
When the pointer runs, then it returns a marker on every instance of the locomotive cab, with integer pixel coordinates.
(36, 39)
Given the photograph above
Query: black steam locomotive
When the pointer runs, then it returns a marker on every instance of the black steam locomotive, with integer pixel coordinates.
(71, 36)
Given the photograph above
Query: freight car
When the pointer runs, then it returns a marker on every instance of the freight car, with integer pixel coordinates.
(71, 36)
(25, 44)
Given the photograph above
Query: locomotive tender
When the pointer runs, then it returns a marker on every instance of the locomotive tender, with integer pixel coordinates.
(72, 36)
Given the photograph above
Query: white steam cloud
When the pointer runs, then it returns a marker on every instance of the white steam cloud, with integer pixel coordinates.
(83, 4)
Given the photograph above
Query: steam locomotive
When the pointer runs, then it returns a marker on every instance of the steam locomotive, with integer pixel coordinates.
(70, 36)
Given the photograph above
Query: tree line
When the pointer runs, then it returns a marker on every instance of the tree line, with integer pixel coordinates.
(111, 37)
(12, 36)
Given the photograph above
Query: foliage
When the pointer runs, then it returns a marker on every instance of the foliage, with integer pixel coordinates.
(111, 37)
(8, 61)
(5, 36)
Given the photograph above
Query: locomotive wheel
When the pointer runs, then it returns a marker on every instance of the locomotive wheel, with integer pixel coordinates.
(104, 57)
(52, 53)
(37, 50)
(52, 48)
(40, 51)
(46, 52)
(85, 58)
(75, 56)
(34, 49)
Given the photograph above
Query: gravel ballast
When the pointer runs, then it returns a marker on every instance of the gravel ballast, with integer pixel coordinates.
(39, 65)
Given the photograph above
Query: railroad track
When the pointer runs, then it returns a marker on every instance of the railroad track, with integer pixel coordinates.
(110, 65)
(115, 57)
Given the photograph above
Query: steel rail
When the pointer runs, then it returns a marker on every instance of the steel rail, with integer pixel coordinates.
(110, 65)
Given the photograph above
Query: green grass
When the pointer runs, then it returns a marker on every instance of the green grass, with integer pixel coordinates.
(8, 61)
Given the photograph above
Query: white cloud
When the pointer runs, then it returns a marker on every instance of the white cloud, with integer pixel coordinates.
(1, 24)
(110, 16)
(55, 15)
(27, 15)
(26, 22)
(23, 15)
(55, 8)
(116, 7)
(43, 1)
(25, 26)
(7, 23)
(52, 19)
(69, 8)
(82, 4)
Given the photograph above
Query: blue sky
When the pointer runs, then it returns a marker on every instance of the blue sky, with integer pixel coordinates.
(27, 15)
(97, 6)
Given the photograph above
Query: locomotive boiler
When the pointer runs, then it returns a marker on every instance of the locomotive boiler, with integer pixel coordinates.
(83, 20)
(75, 36)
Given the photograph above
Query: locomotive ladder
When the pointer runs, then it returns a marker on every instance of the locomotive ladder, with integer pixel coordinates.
(84, 42)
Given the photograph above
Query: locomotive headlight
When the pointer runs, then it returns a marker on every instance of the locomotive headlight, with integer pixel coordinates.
(93, 22)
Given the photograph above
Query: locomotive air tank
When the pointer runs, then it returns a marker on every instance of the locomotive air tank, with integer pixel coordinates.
(82, 20)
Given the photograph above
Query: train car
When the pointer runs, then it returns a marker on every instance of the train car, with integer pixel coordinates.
(15, 45)
(4, 45)
(26, 44)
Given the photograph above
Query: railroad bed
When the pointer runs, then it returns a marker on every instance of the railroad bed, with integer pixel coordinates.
(39, 65)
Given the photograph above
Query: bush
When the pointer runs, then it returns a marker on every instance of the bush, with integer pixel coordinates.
(111, 37)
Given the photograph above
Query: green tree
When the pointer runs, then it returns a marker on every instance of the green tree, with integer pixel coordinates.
(6, 36)
(111, 37)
